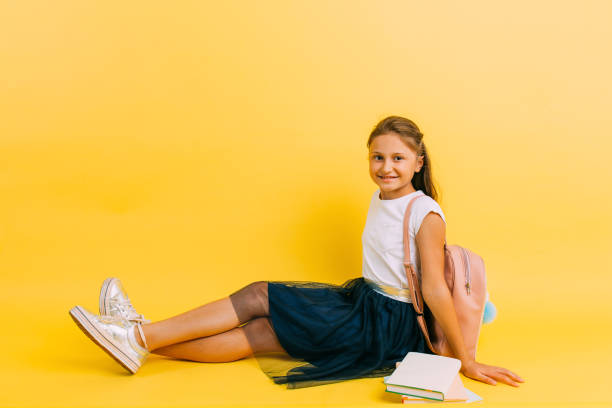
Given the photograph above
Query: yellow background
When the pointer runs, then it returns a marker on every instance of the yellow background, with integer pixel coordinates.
(190, 148)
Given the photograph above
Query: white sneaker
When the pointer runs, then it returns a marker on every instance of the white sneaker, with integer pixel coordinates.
(115, 301)
(114, 334)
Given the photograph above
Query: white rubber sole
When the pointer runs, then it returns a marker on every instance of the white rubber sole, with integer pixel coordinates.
(103, 295)
(105, 343)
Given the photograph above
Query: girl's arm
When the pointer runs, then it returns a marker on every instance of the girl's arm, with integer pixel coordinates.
(430, 242)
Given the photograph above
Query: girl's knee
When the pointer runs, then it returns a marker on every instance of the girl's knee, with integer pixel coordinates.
(251, 301)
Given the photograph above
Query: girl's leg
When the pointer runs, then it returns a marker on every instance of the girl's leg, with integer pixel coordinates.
(257, 336)
(210, 319)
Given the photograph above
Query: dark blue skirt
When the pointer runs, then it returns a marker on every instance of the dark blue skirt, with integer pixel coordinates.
(334, 333)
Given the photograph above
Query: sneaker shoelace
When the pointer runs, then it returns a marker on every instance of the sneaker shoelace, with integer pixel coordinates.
(125, 308)
(142, 336)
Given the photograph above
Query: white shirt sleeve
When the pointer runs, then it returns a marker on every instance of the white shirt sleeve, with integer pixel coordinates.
(420, 208)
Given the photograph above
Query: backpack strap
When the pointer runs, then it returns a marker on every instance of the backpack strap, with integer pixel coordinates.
(413, 281)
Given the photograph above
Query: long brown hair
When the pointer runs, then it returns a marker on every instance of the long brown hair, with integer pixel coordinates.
(410, 134)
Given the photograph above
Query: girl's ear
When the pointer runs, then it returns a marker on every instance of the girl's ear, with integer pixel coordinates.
(419, 163)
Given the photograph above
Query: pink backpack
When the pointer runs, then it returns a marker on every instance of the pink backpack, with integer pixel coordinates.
(465, 277)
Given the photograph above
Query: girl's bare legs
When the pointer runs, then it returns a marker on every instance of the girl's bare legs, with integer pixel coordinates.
(254, 337)
(207, 320)
(223, 347)
(210, 333)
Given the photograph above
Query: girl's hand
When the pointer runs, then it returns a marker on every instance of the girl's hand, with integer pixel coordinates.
(489, 374)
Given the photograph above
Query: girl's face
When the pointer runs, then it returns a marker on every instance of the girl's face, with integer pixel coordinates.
(392, 165)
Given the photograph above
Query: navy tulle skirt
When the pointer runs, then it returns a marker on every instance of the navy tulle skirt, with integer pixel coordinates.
(334, 333)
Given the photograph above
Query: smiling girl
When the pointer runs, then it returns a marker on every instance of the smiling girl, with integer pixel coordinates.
(323, 332)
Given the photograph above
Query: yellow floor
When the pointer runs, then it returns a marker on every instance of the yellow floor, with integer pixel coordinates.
(559, 345)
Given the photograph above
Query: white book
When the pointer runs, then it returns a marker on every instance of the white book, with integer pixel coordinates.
(426, 376)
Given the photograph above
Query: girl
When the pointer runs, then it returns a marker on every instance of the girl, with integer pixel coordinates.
(324, 332)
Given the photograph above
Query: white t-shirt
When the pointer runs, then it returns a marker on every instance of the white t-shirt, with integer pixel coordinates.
(382, 238)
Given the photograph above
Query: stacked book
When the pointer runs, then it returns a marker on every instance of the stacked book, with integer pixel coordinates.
(421, 378)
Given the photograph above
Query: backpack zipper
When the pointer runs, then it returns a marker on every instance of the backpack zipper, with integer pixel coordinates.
(466, 260)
